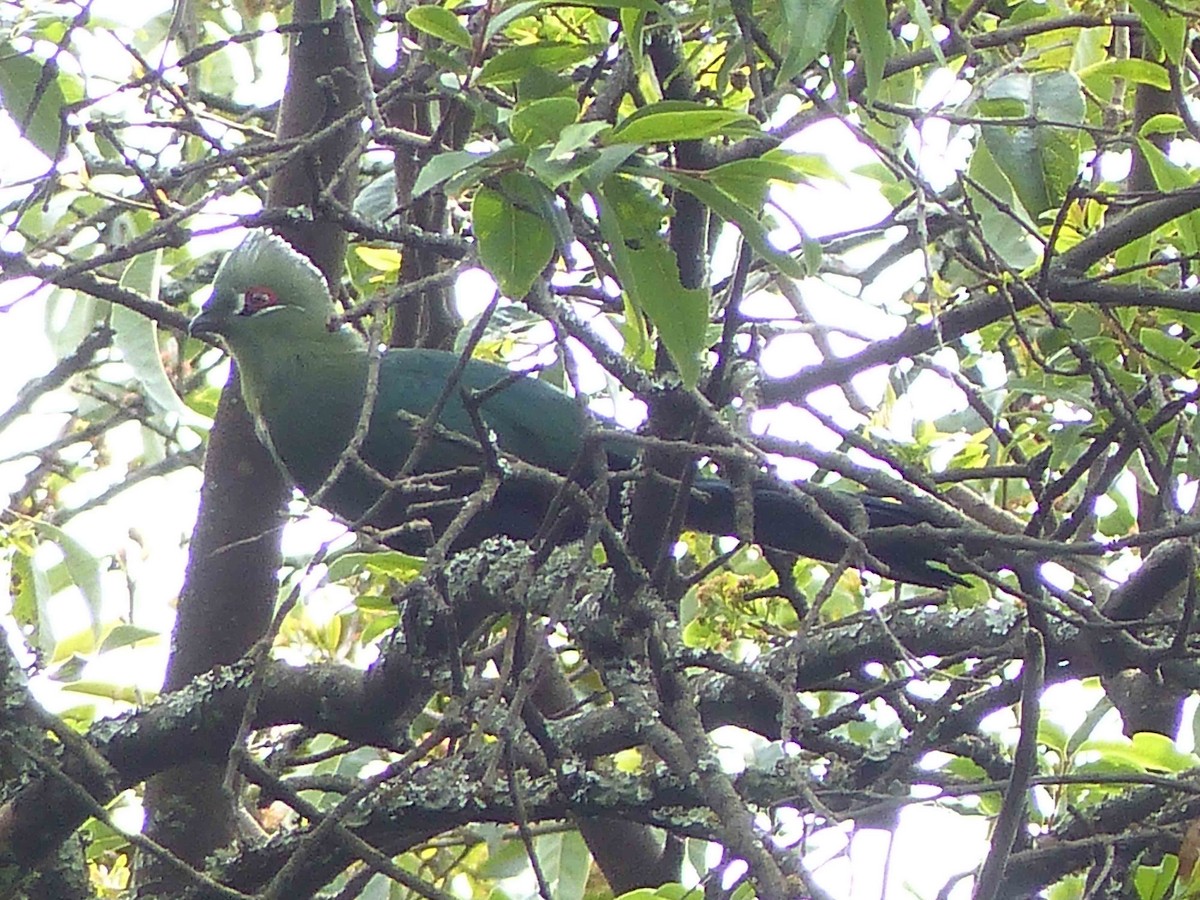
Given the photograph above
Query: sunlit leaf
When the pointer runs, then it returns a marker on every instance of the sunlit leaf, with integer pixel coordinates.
(136, 336)
(34, 94)
(542, 121)
(390, 563)
(83, 567)
(679, 120)
(444, 166)
(630, 222)
(1168, 28)
(515, 241)
(810, 27)
(870, 21)
(123, 635)
(439, 22)
(514, 63)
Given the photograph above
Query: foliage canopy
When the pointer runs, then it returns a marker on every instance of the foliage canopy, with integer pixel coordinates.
(969, 228)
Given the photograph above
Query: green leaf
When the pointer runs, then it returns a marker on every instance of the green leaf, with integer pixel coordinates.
(377, 624)
(32, 93)
(1172, 350)
(920, 14)
(69, 652)
(607, 161)
(512, 65)
(565, 862)
(447, 59)
(747, 180)
(538, 84)
(100, 839)
(808, 166)
(966, 769)
(388, 563)
(1168, 28)
(23, 589)
(82, 566)
(745, 218)
(204, 401)
(575, 137)
(506, 17)
(1099, 77)
(515, 241)
(1052, 735)
(441, 23)
(650, 6)
(1163, 123)
(813, 255)
(508, 860)
(377, 200)
(1041, 163)
(367, 10)
(1094, 715)
(1146, 751)
(630, 221)
(381, 259)
(136, 336)
(443, 167)
(1001, 227)
(1170, 177)
(809, 28)
(1154, 882)
(870, 21)
(838, 49)
(635, 334)
(543, 121)
(126, 636)
(633, 24)
(679, 120)
(553, 172)
(1121, 521)
(1131, 260)
(120, 692)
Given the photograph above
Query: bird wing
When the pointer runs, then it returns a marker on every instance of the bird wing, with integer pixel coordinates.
(529, 419)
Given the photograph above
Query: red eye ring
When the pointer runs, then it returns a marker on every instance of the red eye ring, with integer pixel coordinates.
(256, 299)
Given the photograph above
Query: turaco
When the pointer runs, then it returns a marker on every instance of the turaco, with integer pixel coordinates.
(305, 384)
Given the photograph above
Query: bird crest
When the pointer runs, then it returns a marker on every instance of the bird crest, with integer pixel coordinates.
(263, 270)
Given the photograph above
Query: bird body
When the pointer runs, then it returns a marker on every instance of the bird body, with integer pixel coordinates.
(305, 385)
(307, 435)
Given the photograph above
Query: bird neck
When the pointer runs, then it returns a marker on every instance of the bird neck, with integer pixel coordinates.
(296, 362)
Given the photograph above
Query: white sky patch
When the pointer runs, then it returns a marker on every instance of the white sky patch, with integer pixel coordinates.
(1184, 153)
(1057, 576)
(941, 148)
(18, 168)
(132, 14)
(1115, 166)
(473, 291)
(28, 355)
(1186, 492)
(852, 205)
(831, 207)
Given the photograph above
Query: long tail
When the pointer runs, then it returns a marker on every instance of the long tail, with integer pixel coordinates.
(783, 521)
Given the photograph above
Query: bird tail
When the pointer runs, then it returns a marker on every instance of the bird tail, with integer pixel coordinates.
(788, 521)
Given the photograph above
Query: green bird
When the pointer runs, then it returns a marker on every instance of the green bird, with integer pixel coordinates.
(305, 384)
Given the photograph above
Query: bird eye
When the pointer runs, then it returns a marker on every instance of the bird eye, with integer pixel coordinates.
(256, 299)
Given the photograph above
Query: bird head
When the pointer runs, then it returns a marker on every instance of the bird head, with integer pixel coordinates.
(265, 290)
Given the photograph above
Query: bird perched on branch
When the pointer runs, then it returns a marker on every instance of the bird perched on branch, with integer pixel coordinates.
(305, 383)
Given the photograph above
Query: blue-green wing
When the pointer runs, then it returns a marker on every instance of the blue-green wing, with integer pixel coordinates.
(531, 419)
